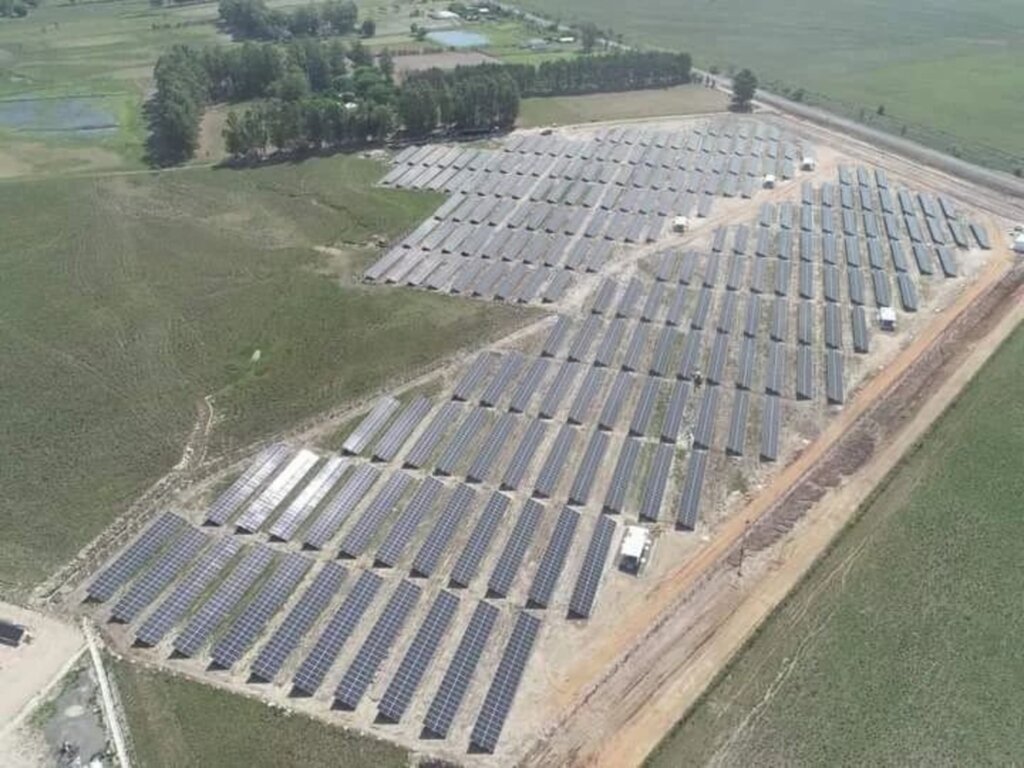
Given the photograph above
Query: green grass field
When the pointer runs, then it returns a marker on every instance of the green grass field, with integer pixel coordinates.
(127, 298)
(902, 645)
(949, 65)
(568, 110)
(170, 720)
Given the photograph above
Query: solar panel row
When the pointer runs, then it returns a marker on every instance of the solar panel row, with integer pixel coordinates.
(262, 467)
(371, 425)
(131, 561)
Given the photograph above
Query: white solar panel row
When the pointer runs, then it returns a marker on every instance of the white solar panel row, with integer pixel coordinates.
(284, 483)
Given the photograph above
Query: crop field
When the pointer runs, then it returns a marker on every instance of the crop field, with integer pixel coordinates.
(899, 647)
(169, 720)
(127, 299)
(950, 67)
(430, 580)
(632, 105)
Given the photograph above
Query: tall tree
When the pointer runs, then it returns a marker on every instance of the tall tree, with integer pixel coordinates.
(744, 87)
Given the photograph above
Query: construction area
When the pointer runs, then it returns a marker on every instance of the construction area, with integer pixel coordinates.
(506, 562)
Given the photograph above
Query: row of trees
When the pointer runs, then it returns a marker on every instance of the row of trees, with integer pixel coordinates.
(16, 9)
(253, 20)
(187, 79)
(465, 100)
(621, 71)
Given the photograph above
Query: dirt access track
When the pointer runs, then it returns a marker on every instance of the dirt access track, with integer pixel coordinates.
(627, 691)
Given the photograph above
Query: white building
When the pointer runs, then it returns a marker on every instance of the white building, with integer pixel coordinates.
(1018, 243)
(887, 318)
(635, 547)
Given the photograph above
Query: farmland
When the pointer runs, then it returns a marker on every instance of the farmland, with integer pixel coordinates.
(127, 299)
(947, 66)
(897, 647)
(567, 110)
(169, 718)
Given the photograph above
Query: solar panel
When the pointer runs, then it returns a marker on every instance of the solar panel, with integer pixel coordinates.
(719, 357)
(738, 423)
(317, 664)
(705, 430)
(946, 261)
(834, 377)
(286, 639)
(858, 322)
(701, 309)
(512, 555)
(674, 318)
(553, 561)
(592, 384)
(340, 507)
(196, 581)
(391, 443)
(908, 292)
(429, 555)
(262, 467)
(783, 274)
(880, 284)
(528, 386)
(446, 702)
(645, 407)
(652, 305)
(370, 426)
(617, 396)
(689, 501)
(558, 389)
(604, 297)
(552, 468)
(427, 442)
(488, 453)
(592, 458)
(499, 698)
(657, 479)
(385, 631)
(580, 348)
(508, 370)
(358, 538)
(480, 539)
(418, 657)
(154, 580)
(584, 593)
(295, 514)
(464, 436)
(118, 573)
(473, 377)
(675, 410)
(780, 319)
(211, 613)
(276, 492)
(771, 421)
(254, 618)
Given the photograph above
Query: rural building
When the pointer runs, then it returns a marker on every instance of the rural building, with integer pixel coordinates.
(1018, 243)
(11, 634)
(769, 181)
(887, 318)
(636, 544)
(808, 163)
(680, 224)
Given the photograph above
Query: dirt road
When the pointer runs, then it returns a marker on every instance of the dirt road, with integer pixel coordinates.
(627, 691)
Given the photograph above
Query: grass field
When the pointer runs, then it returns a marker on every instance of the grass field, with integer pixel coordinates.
(125, 299)
(946, 64)
(902, 645)
(170, 720)
(568, 110)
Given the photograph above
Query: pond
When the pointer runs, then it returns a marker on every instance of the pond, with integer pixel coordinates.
(65, 114)
(458, 38)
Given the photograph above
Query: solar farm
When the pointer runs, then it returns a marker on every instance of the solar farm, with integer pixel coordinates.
(431, 581)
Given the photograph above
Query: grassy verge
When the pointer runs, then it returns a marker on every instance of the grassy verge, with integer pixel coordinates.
(900, 647)
(569, 110)
(179, 723)
(125, 299)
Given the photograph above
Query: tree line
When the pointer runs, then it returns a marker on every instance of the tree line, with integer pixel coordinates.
(16, 9)
(620, 71)
(325, 94)
(253, 20)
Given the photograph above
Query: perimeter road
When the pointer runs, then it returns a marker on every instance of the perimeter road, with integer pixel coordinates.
(109, 709)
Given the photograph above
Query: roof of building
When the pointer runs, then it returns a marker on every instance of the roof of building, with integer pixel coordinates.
(11, 633)
(634, 541)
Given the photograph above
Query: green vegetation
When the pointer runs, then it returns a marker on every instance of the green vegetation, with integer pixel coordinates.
(744, 88)
(254, 20)
(170, 718)
(629, 105)
(901, 647)
(126, 299)
(948, 71)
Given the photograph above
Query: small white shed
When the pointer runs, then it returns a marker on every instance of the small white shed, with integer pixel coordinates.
(1018, 243)
(887, 318)
(635, 547)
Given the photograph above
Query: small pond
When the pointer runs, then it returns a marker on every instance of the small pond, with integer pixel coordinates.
(66, 114)
(458, 38)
